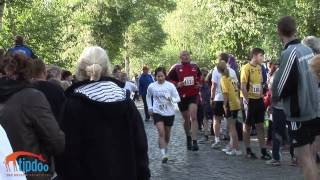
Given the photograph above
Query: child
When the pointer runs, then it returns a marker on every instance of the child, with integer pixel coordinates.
(231, 106)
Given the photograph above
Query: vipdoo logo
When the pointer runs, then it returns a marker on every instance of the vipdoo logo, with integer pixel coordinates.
(29, 163)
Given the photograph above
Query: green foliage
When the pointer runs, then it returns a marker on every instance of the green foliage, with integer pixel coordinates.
(152, 32)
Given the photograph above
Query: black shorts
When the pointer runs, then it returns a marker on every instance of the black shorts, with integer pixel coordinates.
(255, 111)
(303, 133)
(185, 102)
(167, 120)
(217, 108)
(232, 114)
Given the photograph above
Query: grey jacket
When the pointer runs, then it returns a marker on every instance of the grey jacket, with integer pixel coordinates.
(26, 116)
(295, 84)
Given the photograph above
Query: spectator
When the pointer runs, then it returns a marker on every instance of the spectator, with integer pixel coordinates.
(145, 80)
(19, 47)
(66, 79)
(313, 43)
(31, 127)
(53, 92)
(297, 88)
(6, 150)
(129, 85)
(54, 74)
(117, 72)
(136, 81)
(105, 137)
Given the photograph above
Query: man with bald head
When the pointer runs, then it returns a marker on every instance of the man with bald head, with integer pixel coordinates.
(186, 76)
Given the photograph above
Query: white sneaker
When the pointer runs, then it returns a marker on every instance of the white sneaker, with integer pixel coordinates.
(234, 153)
(216, 145)
(227, 149)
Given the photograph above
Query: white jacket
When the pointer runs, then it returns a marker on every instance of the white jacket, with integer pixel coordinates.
(5, 150)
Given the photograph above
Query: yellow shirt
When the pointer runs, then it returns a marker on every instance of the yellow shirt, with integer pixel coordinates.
(230, 87)
(255, 81)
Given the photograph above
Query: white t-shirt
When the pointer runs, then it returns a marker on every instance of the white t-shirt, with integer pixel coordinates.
(5, 150)
(164, 97)
(130, 86)
(216, 77)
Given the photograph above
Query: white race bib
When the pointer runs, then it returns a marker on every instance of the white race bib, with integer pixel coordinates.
(189, 81)
(256, 88)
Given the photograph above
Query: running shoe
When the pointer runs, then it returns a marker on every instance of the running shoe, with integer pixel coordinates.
(165, 159)
(195, 147)
(206, 137)
(234, 152)
(273, 162)
(294, 162)
(216, 145)
(227, 149)
(251, 155)
(266, 157)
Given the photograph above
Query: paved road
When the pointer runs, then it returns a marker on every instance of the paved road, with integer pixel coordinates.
(208, 164)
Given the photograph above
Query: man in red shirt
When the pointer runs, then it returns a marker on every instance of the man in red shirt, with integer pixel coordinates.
(186, 76)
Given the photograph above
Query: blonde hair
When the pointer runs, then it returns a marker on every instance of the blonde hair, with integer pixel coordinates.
(223, 68)
(315, 65)
(93, 63)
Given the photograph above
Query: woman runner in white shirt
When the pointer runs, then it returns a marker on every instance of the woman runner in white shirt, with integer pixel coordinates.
(161, 98)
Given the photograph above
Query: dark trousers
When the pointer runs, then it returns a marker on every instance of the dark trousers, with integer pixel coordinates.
(279, 133)
(146, 112)
(136, 96)
(200, 116)
(239, 127)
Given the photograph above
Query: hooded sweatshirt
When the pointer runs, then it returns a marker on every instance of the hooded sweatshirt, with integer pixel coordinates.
(105, 136)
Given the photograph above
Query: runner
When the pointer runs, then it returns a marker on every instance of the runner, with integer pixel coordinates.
(251, 87)
(186, 77)
(231, 106)
(161, 98)
(297, 87)
(217, 99)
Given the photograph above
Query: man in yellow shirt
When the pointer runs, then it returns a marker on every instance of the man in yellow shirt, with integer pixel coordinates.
(251, 88)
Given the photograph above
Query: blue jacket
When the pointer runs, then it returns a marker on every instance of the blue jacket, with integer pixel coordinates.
(144, 81)
(22, 49)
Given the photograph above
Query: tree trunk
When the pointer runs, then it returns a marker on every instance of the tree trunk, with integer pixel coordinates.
(127, 65)
(2, 5)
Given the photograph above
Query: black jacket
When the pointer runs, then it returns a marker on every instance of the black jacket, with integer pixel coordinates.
(54, 94)
(26, 116)
(105, 136)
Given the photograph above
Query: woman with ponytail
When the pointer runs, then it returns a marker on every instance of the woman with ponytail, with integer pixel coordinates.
(105, 136)
(231, 106)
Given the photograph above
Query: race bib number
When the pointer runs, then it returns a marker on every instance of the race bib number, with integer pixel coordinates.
(256, 88)
(162, 107)
(189, 81)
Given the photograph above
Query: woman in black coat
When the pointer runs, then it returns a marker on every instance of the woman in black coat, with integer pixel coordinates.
(105, 136)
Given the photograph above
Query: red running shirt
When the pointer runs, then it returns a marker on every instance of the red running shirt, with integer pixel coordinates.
(190, 74)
